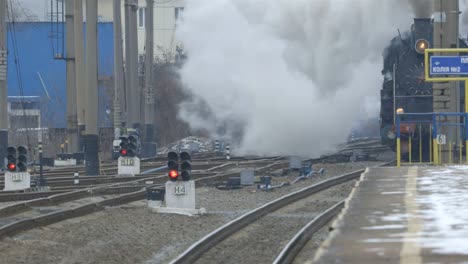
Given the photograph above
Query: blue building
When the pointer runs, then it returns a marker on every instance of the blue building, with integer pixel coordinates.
(34, 59)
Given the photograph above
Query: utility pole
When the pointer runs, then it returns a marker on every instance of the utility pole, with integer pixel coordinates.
(72, 122)
(127, 89)
(91, 138)
(136, 88)
(80, 78)
(446, 96)
(3, 84)
(118, 70)
(132, 89)
(149, 56)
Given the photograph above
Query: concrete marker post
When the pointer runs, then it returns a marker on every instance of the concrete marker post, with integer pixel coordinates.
(228, 151)
(76, 178)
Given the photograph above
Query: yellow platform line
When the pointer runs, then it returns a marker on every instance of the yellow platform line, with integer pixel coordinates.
(411, 250)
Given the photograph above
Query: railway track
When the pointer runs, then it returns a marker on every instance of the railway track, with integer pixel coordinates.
(295, 245)
(199, 169)
(27, 215)
(65, 184)
(249, 237)
(111, 167)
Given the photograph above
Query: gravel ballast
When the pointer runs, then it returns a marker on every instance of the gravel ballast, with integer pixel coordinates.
(132, 233)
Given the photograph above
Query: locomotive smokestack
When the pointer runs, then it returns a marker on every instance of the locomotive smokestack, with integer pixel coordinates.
(422, 28)
(421, 8)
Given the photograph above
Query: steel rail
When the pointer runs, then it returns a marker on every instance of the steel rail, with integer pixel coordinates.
(96, 180)
(196, 250)
(43, 220)
(51, 218)
(57, 187)
(66, 196)
(295, 245)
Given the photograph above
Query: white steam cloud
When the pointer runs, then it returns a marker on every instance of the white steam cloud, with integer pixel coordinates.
(464, 18)
(422, 8)
(290, 77)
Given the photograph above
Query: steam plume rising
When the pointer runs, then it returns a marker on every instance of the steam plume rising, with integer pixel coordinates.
(464, 18)
(285, 77)
(421, 8)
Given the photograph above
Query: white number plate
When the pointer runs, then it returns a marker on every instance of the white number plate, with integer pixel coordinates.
(180, 189)
(127, 162)
(17, 177)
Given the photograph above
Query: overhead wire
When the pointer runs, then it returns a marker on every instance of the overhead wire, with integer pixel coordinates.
(12, 31)
(57, 31)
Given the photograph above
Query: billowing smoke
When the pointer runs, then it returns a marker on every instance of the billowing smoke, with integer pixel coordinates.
(285, 77)
(422, 8)
(464, 18)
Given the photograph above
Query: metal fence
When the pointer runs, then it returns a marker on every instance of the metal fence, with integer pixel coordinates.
(431, 138)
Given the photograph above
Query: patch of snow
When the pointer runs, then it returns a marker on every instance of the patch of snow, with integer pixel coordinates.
(383, 227)
(443, 197)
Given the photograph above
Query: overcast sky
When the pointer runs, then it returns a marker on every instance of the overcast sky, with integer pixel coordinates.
(36, 7)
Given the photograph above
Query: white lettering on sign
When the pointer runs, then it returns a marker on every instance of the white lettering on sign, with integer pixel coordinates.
(17, 177)
(180, 190)
(441, 69)
(464, 60)
(127, 162)
(441, 139)
(446, 69)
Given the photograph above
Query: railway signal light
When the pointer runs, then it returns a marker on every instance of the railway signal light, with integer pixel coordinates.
(11, 159)
(173, 165)
(132, 145)
(22, 158)
(11, 167)
(17, 159)
(173, 174)
(123, 146)
(186, 166)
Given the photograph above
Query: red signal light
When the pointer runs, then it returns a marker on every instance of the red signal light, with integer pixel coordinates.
(11, 166)
(173, 174)
(123, 152)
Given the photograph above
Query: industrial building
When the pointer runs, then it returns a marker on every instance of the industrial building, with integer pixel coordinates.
(40, 74)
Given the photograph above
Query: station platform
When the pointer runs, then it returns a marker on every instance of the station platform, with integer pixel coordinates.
(405, 215)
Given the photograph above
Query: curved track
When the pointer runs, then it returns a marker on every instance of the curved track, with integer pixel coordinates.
(294, 246)
(234, 229)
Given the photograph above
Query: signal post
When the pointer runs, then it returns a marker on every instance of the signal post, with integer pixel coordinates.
(129, 162)
(3, 82)
(180, 189)
(17, 177)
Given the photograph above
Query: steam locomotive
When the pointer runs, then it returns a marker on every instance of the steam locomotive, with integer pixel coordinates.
(404, 87)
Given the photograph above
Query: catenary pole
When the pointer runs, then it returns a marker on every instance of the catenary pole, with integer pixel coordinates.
(3, 84)
(72, 122)
(91, 139)
(80, 77)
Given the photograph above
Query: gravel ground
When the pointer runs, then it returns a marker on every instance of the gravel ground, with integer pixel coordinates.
(41, 210)
(134, 234)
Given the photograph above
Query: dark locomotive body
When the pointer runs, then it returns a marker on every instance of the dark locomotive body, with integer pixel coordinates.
(404, 87)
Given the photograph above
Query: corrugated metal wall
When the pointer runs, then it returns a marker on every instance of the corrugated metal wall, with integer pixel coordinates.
(35, 54)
